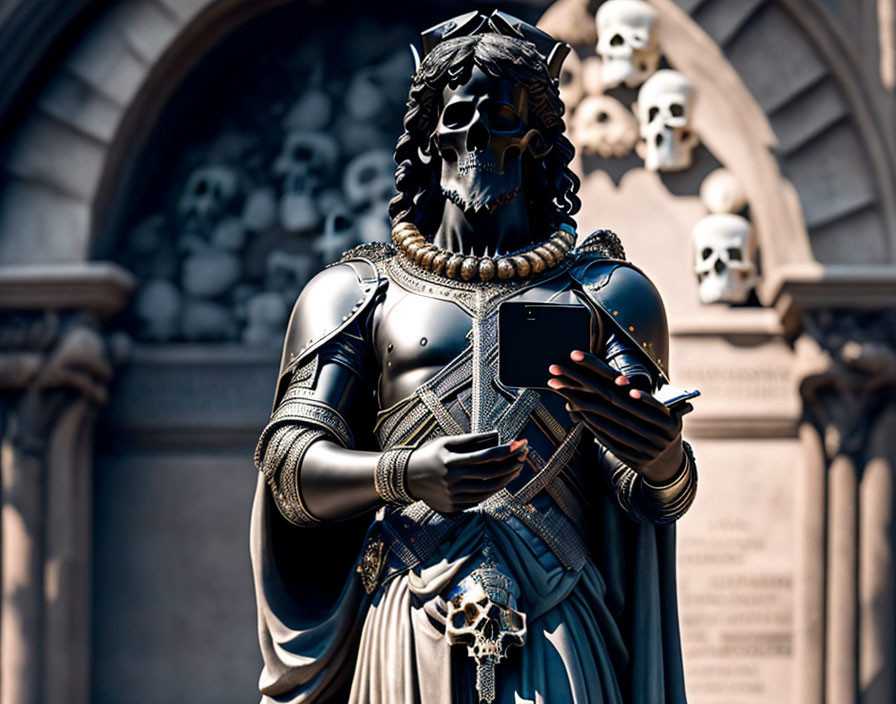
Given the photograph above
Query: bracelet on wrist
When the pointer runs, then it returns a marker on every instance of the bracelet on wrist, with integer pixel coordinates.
(391, 477)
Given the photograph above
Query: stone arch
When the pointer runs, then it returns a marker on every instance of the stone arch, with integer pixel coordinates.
(828, 140)
(100, 100)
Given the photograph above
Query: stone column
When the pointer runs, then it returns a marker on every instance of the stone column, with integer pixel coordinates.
(877, 611)
(54, 369)
(809, 589)
(848, 381)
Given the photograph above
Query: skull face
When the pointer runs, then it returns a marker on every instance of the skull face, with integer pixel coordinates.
(210, 190)
(338, 236)
(604, 126)
(627, 41)
(665, 110)
(305, 160)
(725, 258)
(368, 177)
(482, 616)
(481, 136)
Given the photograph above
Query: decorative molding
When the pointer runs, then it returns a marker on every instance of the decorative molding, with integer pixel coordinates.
(796, 289)
(99, 287)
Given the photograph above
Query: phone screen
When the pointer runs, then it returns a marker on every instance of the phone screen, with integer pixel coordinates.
(532, 336)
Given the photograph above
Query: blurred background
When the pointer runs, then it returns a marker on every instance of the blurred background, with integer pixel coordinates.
(174, 171)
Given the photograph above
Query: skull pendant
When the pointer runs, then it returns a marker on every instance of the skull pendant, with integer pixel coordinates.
(481, 615)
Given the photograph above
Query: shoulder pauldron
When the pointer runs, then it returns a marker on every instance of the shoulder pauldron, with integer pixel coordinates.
(329, 303)
(630, 301)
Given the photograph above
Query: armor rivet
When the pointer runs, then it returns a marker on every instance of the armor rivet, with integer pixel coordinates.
(390, 347)
(360, 301)
(615, 312)
(631, 328)
(423, 341)
(645, 345)
(344, 318)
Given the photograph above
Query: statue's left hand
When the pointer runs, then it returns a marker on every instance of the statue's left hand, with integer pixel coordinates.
(631, 423)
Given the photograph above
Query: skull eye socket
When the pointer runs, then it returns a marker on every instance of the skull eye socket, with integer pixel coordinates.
(676, 109)
(617, 40)
(367, 174)
(734, 254)
(503, 118)
(201, 187)
(602, 117)
(341, 223)
(706, 253)
(458, 115)
(301, 152)
(652, 113)
(471, 612)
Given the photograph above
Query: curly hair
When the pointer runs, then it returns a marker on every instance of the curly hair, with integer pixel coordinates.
(548, 183)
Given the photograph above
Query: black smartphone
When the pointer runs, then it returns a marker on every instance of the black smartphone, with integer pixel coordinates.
(532, 336)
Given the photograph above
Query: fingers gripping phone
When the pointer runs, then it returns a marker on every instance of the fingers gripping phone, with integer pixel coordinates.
(532, 336)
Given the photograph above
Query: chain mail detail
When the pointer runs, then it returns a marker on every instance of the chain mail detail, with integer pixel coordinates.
(313, 412)
(391, 476)
(561, 457)
(295, 424)
(603, 242)
(446, 421)
(375, 252)
(477, 298)
(543, 415)
(515, 417)
(280, 466)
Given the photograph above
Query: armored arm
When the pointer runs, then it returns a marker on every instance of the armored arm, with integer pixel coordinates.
(312, 452)
(636, 342)
(308, 451)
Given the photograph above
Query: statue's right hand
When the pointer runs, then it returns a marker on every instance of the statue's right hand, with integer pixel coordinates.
(459, 471)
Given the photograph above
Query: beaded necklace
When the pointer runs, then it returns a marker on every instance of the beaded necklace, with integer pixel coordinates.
(530, 260)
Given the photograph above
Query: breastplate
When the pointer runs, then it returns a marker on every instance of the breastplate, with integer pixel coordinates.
(465, 396)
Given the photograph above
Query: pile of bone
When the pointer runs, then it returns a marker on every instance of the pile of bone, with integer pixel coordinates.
(657, 124)
(227, 263)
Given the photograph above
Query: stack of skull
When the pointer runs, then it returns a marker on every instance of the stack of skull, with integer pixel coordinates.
(659, 127)
(242, 242)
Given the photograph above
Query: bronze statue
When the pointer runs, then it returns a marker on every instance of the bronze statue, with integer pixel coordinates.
(522, 547)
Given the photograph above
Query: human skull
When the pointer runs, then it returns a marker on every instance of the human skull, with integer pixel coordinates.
(209, 192)
(570, 80)
(338, 236)
(305, 161)
(481, 136)
(722, 192)
(287, 273)
(367, 177)
(266, 315)
(364, 98)
(665, 109)
(482, 616)
(157, 307)
(602, 125)
(627, 41)
(725, 258)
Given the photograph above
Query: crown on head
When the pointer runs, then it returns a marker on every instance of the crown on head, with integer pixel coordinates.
(470, 23)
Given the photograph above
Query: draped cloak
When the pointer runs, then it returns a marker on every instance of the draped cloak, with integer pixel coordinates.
(605, 631)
